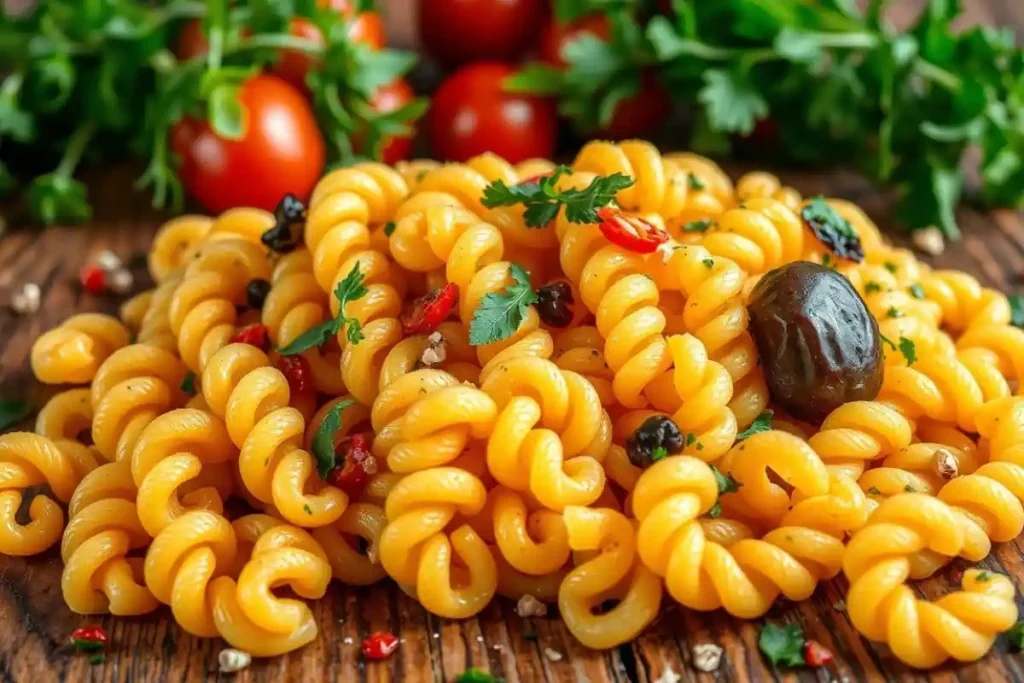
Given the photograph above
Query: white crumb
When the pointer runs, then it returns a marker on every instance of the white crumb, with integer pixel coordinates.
(108, 261)
(707, 657)
(121, 281)
(929, 241)
(670, 676)
(347, 641)
(553, 655)
(232, 660)
(479, 639)
(945, 464)
(435, 352)
(27, 300)
(529, 606)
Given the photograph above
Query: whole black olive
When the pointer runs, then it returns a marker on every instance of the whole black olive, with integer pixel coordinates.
(819, 345)
(554, 304)
(256, 293)
(283, 238)
(657, 432)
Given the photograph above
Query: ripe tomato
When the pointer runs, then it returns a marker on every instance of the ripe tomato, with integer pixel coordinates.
(386, 99)
(459, 31)
(366, 28)
(471, 114)
(555, 36)
(281, 150)
(191, 40)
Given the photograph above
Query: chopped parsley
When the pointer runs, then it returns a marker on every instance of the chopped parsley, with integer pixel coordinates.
(500, 313)
(916, 291)
(695, 182)
(543, 199)
(763, 423)
(352, 287)
(782, 645)
(698, 226)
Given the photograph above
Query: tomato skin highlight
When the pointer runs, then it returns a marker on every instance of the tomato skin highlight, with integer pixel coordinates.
(430, 310)
(630, 232)
(471, 114)
(281, 150)
(455, 32)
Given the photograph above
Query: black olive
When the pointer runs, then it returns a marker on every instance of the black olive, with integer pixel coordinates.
(554, 304)
(283, 237)
(818, 344)
(256, 293)
(655, 432)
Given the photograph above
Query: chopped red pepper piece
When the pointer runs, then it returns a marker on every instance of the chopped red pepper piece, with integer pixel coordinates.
(255, 335)
(298, 373)
(89, 638)
(380, 645)
(817, 654)
(93, 279)
(630, 232)
(430, 310)
(355, 465)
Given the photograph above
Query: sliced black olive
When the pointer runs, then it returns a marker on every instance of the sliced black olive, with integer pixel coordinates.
(256, 293)
(818, 344)
(286, 234)
(554, 304)
(657, 437)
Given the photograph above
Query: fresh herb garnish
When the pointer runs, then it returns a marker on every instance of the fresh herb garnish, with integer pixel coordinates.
(909, 489)
(872, 286)
(1017, 311)
(323, 440)
(908, 350)
(188, 384)
(698, 226)
(916, 291)
(894, 312)
(763, 423)
(389, 228)
(351, 288)
(782, 645)
(543, 199)
(890, 266)
(833, 230)
(726, 484)
(874, 491)
(659, 453)
(499, 314)
(1016, 635)
(308, 509)
(982, 577)
(477, 676)
(695, 182)
(12, 411)
(708, 263)
(888, 341)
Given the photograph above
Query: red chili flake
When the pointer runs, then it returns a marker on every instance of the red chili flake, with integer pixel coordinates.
(298, 373)
(817, 654)
(93, 279)
(430, 310)
(355, 465)
(380, 645)
(89, 639)
(630, 232)
(255, 335)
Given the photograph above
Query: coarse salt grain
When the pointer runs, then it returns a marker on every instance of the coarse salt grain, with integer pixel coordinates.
(347, 641)
(121, 281)
(945, 464)
(27, 300)
(553, 655)
(232, 660)
(108, 261)
(529, 606)
(707, 657)
(436, 350)
(929, 240)
(669, 676)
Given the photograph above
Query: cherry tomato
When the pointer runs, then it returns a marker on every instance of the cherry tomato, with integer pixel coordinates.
(93, 279)
(366, 28)
(386, 99)
(817, 654)
(430, 310)
(89, 638)
(281, 150)
(630, 232)
(355, 465)
(298, 373)
(255, 335)
(555, 36)
(636, 116)
(471, 114)
(458, 31)
(191, 40)
(380, 645)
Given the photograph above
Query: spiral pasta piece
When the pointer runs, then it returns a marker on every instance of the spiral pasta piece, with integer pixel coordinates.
(759, 236)
(72, 352)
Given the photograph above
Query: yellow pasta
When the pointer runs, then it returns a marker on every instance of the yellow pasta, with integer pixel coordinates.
(72, 352)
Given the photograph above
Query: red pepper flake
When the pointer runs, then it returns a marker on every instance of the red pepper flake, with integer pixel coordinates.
(298, 373)
(536, 178)
(430, 310)
(89, 639)
(380, 645)
(255, 335)
(93, 279)
(817, 654)
(630, 232)
(356, 465)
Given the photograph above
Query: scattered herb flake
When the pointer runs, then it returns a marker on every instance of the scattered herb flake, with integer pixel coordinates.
(542, 199)
(909, 489)
(833, 230)
(891, 267)
(188, 385)
(708, 263)
(476, 676)
(763, 423)
(698, 226)
(389, 228)
(726, 483)
(308, 509)
(695, 182)
(982, 577)
(872, 286)
(908, 350)
(499, 314)
(782, 645)
(323, 440)
(894, 312)
(916, 291)
(660, 453)
(352, 287)
(874, 491)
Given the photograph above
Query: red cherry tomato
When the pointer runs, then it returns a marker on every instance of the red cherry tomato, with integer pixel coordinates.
(89, 638)
(281, 150)
(471, 114)
(430, 310)
(636, 116)
(630, 232)
(191, 40)
(355, 465)
(254, 335)
(380, 645)
(93, 279)
(817, 654)
(298, 373)
(458, 31)
(555, 36)
(386, 99)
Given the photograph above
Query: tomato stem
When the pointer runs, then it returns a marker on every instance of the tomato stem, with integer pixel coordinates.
(75, 149)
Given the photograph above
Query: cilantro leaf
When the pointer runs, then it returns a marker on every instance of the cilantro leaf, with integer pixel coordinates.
(763, 423)
(694, 182)
(726, 484)
(698, 226)
(12, 411)
(731, 101)
(908, 350)
(1016, 635)
(782, 645)
(323, 440)
(917, 291)
(188, 384)
(982, 577)
(1017, 311)
(352, 287)
(543, 200)
(476, 676)
(499, 314)
(660, 453)
(389, 228)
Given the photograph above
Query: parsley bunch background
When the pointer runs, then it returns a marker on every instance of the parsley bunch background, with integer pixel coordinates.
(96, 81)
(826, 82)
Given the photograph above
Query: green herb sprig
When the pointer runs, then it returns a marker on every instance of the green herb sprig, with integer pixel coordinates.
(499, 314)
(351, 288)
(543, 199)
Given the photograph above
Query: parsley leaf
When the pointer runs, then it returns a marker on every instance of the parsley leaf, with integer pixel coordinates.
(909, 489)
(726, 484)
(917, 291)
(12, 411)
(872, 286)
(389, 228)
(763, 423)
(698, 226)
(695, 182)
(499, 314)
(188, 385)
(982, 577)
(1016, 635)
(908, 350)
(782, 645)
(660, 453)
(708, 263)
(894, 312)
(874, 491)
(1017, 311)
(349, 289)
(476, 676)
(542, 199)
(323, 440)
(732, 103)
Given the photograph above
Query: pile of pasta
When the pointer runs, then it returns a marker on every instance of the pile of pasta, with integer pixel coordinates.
(501, 467)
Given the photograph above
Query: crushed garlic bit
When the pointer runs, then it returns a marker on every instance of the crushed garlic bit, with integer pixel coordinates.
(529, 606)
(232, 660)
(929, 240)
(666, 249)
(946, 465)
(553, 655)
(670, 676)
(347, 641)
(27, 300)
(436, 351)
(121, 281)
(108, 261)
(707, 657)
